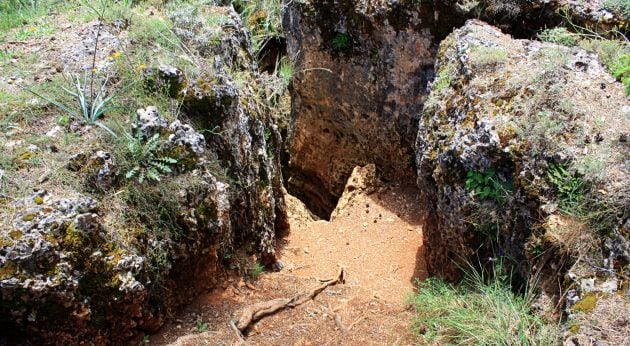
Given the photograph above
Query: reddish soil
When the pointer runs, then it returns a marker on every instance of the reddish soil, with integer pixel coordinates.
(377, 238)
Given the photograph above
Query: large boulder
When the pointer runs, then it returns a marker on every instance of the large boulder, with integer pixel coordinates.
(522, 148)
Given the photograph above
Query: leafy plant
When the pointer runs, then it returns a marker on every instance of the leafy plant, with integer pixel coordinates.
(88, 109)
(571, 188)
(444, 77)
(482, 310)
(340, 41)
(148, 163)
(558, 35)
(201, 327)
(256, 270)
(621, 71)
(486, 185)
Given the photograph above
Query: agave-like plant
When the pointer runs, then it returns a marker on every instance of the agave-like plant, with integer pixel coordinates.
(90, 107)
(148, 163)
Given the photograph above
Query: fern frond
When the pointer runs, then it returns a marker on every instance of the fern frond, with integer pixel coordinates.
(133, 172)
(166, 160)
(160, 166)
(153, 174)
(153, 143)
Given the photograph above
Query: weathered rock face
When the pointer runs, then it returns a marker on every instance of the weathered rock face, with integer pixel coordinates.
(243, 134)
(361, 81)
(71, 271)
(508, 127)
(66, 276)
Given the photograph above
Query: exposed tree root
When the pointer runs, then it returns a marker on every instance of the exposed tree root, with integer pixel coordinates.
(257, 311)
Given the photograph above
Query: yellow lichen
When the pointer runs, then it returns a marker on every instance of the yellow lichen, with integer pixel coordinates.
(28, 217)
(574, 329)
(4, 242)
(587, 304)
(7, 270)
(15, 235)
(38, 200)
(73, 240)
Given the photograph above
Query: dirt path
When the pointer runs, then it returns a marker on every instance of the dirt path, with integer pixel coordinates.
(375, 234)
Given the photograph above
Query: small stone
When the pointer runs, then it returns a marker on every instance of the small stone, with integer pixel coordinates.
(278, 266)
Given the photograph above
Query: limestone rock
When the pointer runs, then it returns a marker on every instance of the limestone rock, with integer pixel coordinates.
(364, 71)
(509, 110)
(73, 271)
(363, 181)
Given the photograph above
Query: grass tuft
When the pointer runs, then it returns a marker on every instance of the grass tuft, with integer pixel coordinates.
(480, 311)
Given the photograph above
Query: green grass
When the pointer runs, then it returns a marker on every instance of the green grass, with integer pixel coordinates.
(621, 7)
(263, 18)
(484, 56)
(480, 311)
(42, 30)
(14, 13)
(612, 49)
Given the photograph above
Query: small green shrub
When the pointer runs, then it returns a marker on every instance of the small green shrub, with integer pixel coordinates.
(256, 270)
(621, 7)
(621, 71)
(201, 326)
(559, 35)
(480, 311)
(90, 107)
(570, 188)
(340, 41)
(486, 185)
(146, 158)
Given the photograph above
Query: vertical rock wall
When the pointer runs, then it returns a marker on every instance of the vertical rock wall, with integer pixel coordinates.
(361, 75)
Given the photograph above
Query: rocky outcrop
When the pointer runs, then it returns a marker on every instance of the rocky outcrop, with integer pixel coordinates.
(242, 132)
(362, 69)
(515, 135)
(101, 268)
(68, 275)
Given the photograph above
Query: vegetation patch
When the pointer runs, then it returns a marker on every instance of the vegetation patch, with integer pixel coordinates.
(485, 56)
(587, 304)
(480, 311)
(621, 7)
